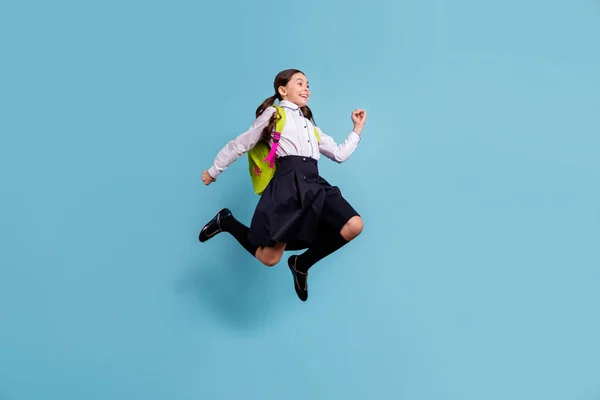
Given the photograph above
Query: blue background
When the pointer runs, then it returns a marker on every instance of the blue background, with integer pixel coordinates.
(476, 276)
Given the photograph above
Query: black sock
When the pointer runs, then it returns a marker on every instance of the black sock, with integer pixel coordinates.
(325, 244)
(239, 231)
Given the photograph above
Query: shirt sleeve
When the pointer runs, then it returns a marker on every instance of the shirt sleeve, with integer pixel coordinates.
(243, 143)
(338, 152)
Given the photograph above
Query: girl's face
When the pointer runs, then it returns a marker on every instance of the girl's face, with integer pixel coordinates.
(296, 90)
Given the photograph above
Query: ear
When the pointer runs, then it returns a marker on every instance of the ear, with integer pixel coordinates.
(282, 91)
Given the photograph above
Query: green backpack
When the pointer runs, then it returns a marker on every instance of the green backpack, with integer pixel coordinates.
(261, 158)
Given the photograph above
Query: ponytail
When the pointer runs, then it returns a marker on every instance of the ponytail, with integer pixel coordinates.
(266, 133)
(265, 104)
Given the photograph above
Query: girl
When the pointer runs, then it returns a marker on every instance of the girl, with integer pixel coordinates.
(298, 209)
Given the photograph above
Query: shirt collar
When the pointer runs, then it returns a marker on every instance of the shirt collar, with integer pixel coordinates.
(288, 104)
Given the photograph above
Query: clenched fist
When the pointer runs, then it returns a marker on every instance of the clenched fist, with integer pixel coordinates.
(359, 117)
(207, 179)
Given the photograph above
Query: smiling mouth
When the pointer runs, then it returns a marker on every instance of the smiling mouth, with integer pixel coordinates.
(304, 96)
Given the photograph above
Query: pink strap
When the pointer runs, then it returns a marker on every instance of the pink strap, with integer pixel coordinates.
(271, 156)
(257, 170)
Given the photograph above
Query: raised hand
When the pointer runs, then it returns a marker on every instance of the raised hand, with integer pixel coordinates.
(359, 117)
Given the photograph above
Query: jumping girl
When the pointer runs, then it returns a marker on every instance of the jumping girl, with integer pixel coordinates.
(298, 208)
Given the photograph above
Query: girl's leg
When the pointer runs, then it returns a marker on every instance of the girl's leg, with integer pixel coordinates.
(341, 224)
(327, 242)
(224, 221)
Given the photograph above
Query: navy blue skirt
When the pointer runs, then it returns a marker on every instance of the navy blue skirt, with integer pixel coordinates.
(296, 204)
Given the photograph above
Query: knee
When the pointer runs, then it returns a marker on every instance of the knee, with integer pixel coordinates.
(271, 260)
(353, 228)
(270, 256)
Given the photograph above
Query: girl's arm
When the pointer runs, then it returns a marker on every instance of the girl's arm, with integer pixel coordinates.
(338, 152)
(341, 152)
(235, 148)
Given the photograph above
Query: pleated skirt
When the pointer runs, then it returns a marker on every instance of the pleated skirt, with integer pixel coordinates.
(296, 204)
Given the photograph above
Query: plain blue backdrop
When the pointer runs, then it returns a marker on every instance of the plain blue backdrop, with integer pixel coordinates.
(478, 178)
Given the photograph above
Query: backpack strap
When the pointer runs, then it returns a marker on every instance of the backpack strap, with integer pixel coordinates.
(276, 136)
(317, 134)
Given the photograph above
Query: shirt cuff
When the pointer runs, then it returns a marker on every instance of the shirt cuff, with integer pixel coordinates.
(356, 136)
(214, 172)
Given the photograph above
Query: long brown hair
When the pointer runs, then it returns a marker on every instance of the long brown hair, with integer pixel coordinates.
(281, 79)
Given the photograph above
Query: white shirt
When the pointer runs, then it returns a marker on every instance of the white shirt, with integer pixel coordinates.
(297, 138)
